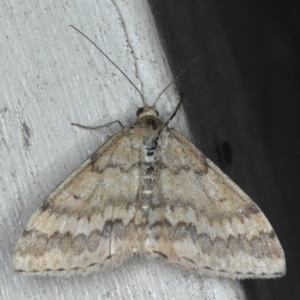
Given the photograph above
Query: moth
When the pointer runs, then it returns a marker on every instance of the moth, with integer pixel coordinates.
(149, 191)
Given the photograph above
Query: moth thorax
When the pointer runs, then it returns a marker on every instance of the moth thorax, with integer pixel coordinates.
(147, 111)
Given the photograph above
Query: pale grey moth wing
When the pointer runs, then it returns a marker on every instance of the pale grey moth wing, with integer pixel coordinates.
(149, 191)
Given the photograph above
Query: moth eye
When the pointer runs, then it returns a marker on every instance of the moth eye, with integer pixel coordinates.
(139, 111)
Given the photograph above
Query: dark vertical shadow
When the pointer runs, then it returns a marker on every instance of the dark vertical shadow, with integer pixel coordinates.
(242, 102)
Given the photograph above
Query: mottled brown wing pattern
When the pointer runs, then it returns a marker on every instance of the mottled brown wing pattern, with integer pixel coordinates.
(201, 220)
(86, 223)
(149, 191)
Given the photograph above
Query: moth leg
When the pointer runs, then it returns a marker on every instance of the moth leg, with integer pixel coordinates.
(174, 113)
(98, 127)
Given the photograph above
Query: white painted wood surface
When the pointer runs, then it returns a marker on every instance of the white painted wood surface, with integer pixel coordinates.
(50, 77)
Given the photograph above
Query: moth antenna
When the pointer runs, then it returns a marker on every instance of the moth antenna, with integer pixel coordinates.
(183, 71)
(110, 61)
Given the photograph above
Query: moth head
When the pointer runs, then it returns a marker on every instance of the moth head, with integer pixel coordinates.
(147, 111)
